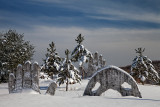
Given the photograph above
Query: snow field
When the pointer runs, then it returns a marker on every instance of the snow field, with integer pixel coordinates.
(74, 97)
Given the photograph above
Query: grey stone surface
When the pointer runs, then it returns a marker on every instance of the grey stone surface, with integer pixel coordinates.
(95, 63)
(18, 78)
(35, 77)
(52, 88)
(11, 83)
(112, 77)
(27, 79)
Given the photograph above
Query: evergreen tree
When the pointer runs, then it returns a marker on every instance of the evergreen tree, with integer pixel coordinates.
(80, 53)
(142, 68)
(14, 50)
(68, 73)
(52, 61)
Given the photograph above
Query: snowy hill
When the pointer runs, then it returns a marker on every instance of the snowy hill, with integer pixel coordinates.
(74, 97)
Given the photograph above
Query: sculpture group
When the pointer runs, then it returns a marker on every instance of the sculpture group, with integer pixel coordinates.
(25, 77)
(110, 77)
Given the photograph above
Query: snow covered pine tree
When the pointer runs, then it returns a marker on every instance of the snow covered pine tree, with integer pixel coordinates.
(68, 73)
(52, 62)
(14, 50)
(142, 68)
(81, 54)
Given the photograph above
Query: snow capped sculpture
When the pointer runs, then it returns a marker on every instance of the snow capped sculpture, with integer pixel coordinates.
(112, 77)
(95, 63)
(142, 68)
(11, 83)
(51, 88)
(35, 76)
(18, 85)
(25, 78)
(28, 62)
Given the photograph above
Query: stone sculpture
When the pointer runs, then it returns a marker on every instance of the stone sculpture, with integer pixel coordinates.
(19, 78)
(52, 88)
(11, 83)
(35, 77)
(112, 77)
(95, 63)
(25, 78)
(27, 75)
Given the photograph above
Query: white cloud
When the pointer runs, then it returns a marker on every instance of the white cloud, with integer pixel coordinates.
(109, 10)
(127, 15)
(116, 45)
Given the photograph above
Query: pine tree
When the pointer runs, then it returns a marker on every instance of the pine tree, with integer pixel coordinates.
(68, 73)
(52, 61)
(14, 50)
(142, 68)
(79, 39)
(80, 54)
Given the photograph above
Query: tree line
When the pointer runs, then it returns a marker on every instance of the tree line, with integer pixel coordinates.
(15, 50)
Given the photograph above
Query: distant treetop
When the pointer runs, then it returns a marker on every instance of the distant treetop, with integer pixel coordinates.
(79, 39)
(140, 51)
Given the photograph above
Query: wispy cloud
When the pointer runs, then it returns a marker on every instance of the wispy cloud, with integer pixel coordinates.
(120, 15)
(114, 10)
(116, 45)
(112, 27)
(84, 13)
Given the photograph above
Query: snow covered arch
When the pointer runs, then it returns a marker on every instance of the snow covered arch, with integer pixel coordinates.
(112, 77)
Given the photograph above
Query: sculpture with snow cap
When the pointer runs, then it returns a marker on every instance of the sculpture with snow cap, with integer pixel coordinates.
(112, 77)
(25, 78)
(95, 63)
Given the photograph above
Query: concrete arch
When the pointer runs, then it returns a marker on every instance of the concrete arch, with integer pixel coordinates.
(112, 77)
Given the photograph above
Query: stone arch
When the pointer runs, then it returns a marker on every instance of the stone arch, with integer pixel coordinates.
(112, 77)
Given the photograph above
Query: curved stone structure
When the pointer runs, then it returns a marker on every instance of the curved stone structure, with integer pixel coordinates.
(112, 77)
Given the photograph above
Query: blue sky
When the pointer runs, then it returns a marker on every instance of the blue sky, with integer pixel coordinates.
(111, 27)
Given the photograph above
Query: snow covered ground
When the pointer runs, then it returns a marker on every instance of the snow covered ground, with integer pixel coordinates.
(74, 97)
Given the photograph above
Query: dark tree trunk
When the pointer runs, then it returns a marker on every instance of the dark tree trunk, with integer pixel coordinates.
(67, 85)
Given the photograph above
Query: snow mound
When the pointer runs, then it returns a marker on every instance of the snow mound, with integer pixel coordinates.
(74, 98)
(29, 91)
